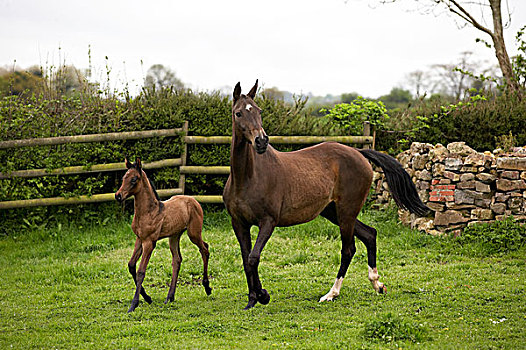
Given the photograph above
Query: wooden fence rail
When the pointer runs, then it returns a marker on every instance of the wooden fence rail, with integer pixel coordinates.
(366, 141)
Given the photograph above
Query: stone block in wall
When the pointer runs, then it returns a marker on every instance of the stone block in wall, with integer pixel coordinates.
(469, 169)
(460, 148)
(523, 175)
(404, 158)
(438, 153)
(455, 206)
(511, 163)
(501, 197)
(449, 217)
(509, 174)
(466, 185)
(483, 203)
(481, 214)
(516, 204)
(486, 178)
(436, 206)
(475, 159)
(438, 169)
(453, 164)
(423, 175)
(482, 187)
(419, 147)
(422, 185)
(498, 208)
(451, 175)
(505, 185)
(420, 161)
(467, 177)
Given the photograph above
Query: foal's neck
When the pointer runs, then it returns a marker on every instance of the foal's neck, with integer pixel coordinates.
(145, 199)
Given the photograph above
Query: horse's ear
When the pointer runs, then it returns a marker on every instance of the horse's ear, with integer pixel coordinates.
(237, 92)
(138, 163)
(128, 164)
(252, 92)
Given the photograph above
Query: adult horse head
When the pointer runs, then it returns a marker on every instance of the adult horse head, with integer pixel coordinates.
(246, 119)
(268, 188)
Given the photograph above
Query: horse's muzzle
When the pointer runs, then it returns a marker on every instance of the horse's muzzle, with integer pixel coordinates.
(118, 197)
(261, 143)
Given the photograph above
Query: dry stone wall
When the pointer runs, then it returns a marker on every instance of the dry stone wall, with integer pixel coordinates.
(461, 185)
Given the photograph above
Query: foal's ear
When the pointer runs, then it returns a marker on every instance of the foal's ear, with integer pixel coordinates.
(237, 92)
(252, 92)
(128, 164)
(138, 163)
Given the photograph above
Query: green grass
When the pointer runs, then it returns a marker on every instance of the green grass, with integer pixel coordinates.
(69, 288)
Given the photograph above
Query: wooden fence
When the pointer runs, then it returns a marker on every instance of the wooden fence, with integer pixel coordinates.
(366, 140)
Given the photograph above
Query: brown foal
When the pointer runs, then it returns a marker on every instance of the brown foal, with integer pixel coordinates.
(153, 220)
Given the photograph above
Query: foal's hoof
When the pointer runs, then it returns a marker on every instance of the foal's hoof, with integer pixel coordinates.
(263, 297)
(133, 305)
(382, 289)
(208, 290)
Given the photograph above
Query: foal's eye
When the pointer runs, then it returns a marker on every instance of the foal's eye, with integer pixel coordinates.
(238, 114)
(133, 180)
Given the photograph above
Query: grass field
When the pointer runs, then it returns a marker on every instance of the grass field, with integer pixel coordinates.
(69, 287)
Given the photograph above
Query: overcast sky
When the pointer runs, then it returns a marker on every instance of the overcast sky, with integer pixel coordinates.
(317, 46)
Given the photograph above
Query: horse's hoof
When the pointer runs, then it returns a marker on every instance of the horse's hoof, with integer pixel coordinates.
(251, 304)
(169, 299)
(147, 299)
(382, 289)
(133, 305)
(263, 297)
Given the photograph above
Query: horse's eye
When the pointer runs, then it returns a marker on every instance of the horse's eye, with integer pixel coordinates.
(238, 114)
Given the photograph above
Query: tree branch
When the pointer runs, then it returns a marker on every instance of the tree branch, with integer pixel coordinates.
(465, 15)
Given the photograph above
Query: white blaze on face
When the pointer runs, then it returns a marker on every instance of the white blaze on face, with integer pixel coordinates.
(248, 107)
(334, 292)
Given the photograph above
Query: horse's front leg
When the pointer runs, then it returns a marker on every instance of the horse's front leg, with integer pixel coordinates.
(243, 237)
(132, 264)
(147, 248)
(266, 227)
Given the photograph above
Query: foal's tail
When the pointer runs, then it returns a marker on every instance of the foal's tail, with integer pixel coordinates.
(402, 189)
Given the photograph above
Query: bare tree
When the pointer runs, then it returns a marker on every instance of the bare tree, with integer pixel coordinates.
(471, 12)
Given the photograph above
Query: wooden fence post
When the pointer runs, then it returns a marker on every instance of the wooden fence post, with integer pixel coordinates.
(182, 177)
(367, 132)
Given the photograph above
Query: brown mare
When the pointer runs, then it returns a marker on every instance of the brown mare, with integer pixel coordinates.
(153, 220)
(268, 188)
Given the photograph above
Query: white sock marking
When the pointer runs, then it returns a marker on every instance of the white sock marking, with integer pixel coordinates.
(334, 292)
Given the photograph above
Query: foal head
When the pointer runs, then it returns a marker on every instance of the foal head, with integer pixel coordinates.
(131, 182)
(246, 119)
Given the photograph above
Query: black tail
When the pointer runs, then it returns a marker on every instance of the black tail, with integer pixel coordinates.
(402, 189)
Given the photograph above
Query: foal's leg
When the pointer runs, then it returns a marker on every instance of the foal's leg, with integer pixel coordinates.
(347, 253)
(195, 227)
(266, 227)
(367, 235)
(137, 252)
(245, 242)
(147, 248)
(176, 265)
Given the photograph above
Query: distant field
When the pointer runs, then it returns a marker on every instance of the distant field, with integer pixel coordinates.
(69, 288)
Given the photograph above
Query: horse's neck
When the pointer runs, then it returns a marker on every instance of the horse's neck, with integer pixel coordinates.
(145, 200)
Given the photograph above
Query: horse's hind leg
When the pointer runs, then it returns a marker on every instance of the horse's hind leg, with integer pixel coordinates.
(367, 235)
(176, 265)
(347, 253)
(137, 252)
(195, 227)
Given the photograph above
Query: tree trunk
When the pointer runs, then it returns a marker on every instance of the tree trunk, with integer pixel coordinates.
(500, 47)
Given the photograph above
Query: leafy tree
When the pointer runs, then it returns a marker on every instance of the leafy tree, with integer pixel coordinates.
(349, 97)
(351, 116)
(159, 76)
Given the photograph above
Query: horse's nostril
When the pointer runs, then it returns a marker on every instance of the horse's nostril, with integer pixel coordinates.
(118, 197)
